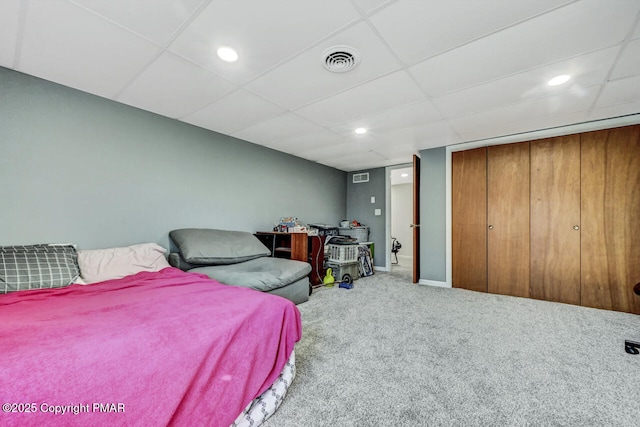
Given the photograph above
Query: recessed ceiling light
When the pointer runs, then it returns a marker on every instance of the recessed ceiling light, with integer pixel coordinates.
(558, 80)
(404, 175)
(360, 131)
(227, 54)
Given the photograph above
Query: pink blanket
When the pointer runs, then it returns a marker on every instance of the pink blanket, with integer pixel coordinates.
(165, 348)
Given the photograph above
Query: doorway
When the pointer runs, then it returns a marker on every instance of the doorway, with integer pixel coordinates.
(400, 219)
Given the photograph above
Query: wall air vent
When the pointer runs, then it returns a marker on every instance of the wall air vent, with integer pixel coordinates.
(340, 59)
(359, 178)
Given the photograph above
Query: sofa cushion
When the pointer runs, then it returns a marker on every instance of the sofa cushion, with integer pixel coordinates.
(205, 246)
(262, 274)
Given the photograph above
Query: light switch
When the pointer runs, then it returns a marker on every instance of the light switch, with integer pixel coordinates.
(377, 212)
(373, 199)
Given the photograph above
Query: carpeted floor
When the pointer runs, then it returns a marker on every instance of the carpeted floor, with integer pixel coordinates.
(403, 270)
(391, 353)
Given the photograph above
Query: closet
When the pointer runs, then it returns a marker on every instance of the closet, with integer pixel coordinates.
(556, 219)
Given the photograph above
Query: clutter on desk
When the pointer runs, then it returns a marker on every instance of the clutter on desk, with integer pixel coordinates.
(349, 229)
(290, 225)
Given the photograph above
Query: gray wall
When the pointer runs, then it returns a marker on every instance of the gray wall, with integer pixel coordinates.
(79, 168)
(433, 214)
(360, 208)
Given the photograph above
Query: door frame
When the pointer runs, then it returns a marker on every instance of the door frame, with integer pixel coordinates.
(387, 228)
(415, 225)
(520, 137)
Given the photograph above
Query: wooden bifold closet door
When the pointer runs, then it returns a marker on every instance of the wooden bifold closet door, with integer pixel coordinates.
(555, 219)
(490, 219)
(508, 219)
(469, 219)
(610, 250)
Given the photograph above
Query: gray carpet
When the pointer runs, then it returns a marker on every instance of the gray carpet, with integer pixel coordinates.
(391, 353)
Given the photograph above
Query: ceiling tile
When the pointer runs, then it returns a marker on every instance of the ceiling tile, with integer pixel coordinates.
(153, 19)
(629, 62)
(345, 149)
(441, 26)
(70, 45)
(525, 126)
(173, 86)
(617, 110)
(303, 79)
(376, 96)
(326, 149)
(307, 143)
(403, 158)
(531, 109)
(575, 29)
(586, 71)
(370, 5)
(427, 135)
(392, 150)
(270, 131)
(362, 160)
(9, 22)
(620, 92)
(409, 115)
(264, 33)
(233, 112)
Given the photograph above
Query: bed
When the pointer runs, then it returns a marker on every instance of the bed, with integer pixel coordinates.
(163, 347)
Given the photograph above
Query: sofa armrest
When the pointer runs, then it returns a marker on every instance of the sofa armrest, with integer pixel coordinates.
(176, 260)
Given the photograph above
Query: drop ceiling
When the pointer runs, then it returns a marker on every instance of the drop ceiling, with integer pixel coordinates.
(431, 72)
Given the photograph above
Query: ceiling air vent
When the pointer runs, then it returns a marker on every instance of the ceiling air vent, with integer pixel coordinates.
(359, 178)
(340, 59)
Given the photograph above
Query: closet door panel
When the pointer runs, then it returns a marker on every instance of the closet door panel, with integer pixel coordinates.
(610, 247)
(555, 219)
(508, 219)
(468, 217)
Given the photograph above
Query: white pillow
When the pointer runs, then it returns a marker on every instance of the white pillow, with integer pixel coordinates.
(98, 265)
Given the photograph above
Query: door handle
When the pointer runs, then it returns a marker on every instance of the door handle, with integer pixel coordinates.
(414, 225)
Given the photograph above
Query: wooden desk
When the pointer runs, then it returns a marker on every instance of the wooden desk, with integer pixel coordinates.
(286, 245)
(299, 247)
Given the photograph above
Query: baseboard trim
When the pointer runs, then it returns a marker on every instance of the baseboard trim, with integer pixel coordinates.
(433, 283)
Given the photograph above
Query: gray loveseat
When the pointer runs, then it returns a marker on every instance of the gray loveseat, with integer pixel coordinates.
(238, 258)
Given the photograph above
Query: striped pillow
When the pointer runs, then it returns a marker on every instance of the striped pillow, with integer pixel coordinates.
(37, 267)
